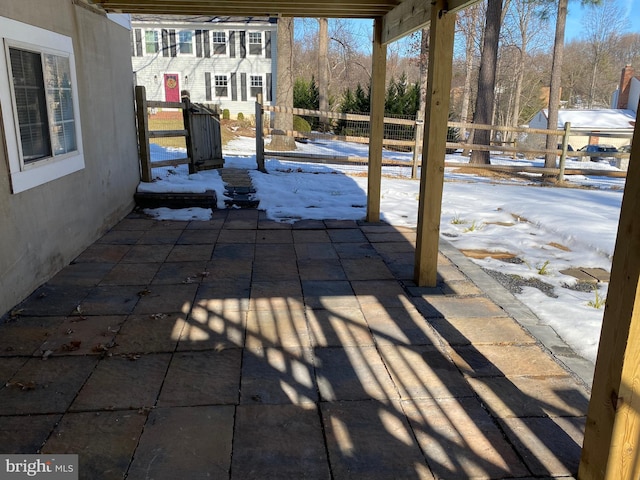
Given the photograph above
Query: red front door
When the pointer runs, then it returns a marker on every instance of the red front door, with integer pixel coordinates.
(171, 87)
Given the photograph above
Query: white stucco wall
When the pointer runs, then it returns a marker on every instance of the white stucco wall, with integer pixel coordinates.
(44, 228)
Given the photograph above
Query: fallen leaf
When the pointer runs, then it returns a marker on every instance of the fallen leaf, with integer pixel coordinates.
(71, 346)
(144, 292)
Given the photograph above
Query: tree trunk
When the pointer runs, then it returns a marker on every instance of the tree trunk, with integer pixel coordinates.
(284, 89)
(486, 81)
(554, 87)
(323, 70)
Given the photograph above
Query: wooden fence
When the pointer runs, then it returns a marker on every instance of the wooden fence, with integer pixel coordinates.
(201, 132)
(512, 148)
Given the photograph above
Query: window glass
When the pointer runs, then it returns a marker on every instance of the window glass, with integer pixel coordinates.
(185, 38)
(151, 41)
(256, 85)
(219, 43)
(221, 85)
(255, 43)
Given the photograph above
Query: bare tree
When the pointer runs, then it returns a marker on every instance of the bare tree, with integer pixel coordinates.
(602, 26)
(483, 113)
(284, 89)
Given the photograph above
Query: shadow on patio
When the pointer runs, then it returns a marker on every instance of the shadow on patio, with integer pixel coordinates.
(243, 348)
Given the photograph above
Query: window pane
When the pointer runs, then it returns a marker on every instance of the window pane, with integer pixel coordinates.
(28, 83)
(60, 101)
(186, 44)
(255, 43)
(151, 41)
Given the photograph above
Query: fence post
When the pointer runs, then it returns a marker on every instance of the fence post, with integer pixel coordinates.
(419, 134)
(259, 134)
(188, 126)
(563, 156)
(143, 133)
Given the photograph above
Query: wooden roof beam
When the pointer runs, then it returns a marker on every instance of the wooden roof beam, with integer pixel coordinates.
(411, 15)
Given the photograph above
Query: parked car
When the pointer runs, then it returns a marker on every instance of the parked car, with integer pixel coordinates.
(599, 152)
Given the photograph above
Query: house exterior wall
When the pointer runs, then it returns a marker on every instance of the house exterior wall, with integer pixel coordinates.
(43, 228)
(198, 69)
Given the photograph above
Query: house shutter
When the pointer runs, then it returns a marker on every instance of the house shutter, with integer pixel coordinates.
(267, 44)
(172, 42)
(232, 44)
(268, 93)
(234, 87)
(138, 34)
(199, 43)
(207, 86)
(243, 87)
(165, 42)
(205, 41)
(243, 44)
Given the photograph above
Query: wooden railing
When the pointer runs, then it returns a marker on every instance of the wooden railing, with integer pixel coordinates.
(415, 144)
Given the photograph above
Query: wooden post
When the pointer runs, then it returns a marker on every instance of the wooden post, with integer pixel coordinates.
(259, 135)
(611, 448)
(565, 145)
(143, 133)
(434, 144)
(376, 131)
(419, 138)
(188, 126)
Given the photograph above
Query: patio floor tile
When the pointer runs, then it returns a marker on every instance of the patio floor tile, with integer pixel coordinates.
(148, 334)
(79, 335)
(25, 335)
(123, 383)
(211, 330)
(372, 440)
(193, 443)
(25, 434)
(166, 299)
(277, 328)
(278, 441)
(465, 331)
(202, 378)
(103, 441)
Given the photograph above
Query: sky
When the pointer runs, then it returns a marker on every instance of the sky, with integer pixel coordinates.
(549, 229)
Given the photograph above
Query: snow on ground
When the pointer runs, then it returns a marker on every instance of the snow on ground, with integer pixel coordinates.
(548, 228)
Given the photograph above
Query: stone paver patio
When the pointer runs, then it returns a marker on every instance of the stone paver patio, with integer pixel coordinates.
(240, 348)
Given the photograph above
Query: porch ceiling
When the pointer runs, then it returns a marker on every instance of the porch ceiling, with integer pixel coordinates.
(400, 17)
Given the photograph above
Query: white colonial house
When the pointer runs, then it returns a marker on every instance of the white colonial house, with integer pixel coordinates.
(225, 61)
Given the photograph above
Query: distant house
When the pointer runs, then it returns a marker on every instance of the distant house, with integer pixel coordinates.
(612, 126)
(225, 61)
(627, 95)
(68, 150)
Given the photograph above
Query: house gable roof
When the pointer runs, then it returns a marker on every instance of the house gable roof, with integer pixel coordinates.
(602, 119)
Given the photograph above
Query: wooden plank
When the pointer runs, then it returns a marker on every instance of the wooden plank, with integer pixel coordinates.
(167, 133)
(499, 128)
(611, 448)
(337, 115)
(378, 72)
(343, 138)
(159, 104)
(143, 133)
(404, 19)
(171, 163)
(434, 144)
(259, 137)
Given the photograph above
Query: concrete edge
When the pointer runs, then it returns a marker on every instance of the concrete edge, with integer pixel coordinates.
(578, 366)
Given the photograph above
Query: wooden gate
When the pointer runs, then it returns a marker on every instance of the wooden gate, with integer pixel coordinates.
(201, 129)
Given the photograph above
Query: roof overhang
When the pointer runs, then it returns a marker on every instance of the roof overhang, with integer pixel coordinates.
(399, 17)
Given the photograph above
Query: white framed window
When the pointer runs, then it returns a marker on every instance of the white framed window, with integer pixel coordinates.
(185, 42)
(221, 85)
(256, 85)
(41, 116)
(151, 42)
(219, 43)
(255, 43)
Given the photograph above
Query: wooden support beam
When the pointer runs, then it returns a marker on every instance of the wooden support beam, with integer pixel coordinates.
(434, 143)
(143, 133)
(378, 72)
(611, 448)
(412, 15)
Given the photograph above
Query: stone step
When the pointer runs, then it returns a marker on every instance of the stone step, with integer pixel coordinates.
(206, 199)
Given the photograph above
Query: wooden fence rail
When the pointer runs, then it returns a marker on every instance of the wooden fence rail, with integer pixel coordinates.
(507, 147)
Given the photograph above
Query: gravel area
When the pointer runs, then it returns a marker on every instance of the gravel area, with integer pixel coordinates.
(514, 283)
